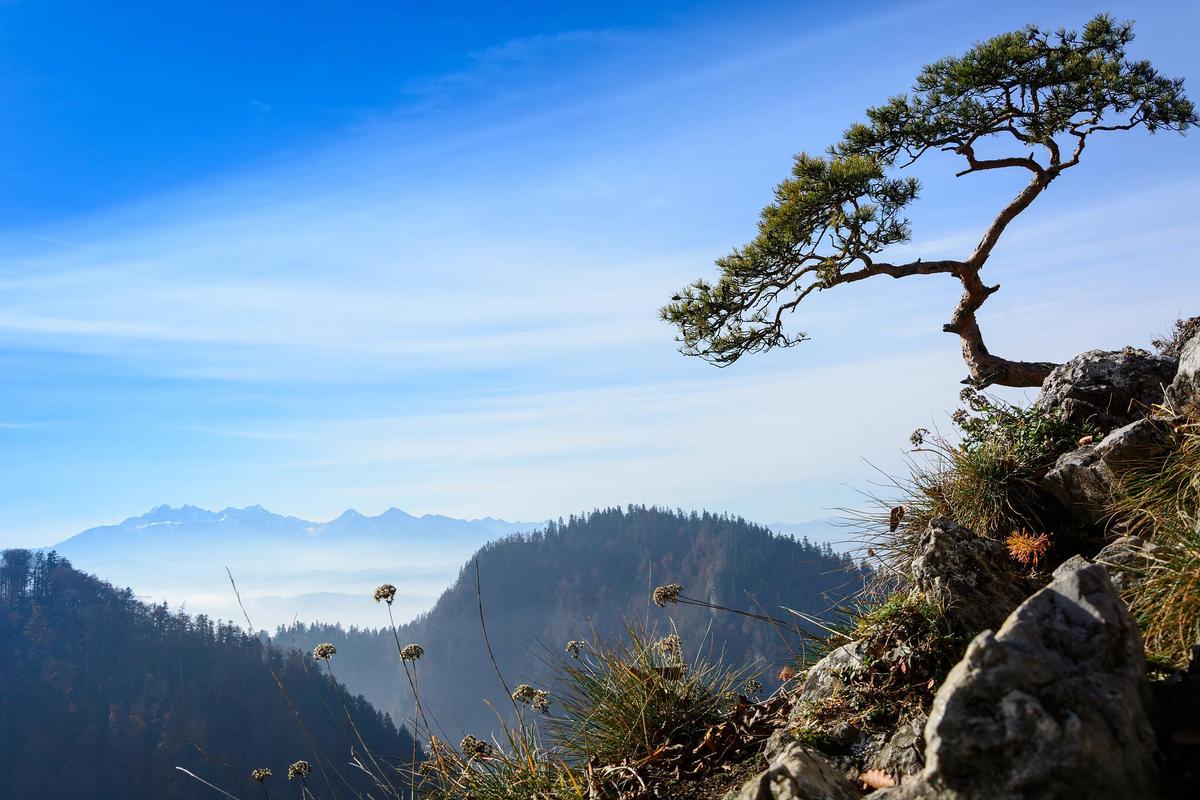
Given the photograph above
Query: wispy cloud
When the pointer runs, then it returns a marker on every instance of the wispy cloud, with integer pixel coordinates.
(457, 311)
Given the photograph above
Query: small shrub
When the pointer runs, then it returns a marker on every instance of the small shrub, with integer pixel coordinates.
(1027, 548)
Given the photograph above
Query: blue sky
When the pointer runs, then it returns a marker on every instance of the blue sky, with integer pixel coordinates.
(364, 256)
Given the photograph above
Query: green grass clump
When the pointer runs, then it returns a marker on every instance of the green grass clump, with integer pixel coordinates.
(987, 481)
(1160, 501)
(626, 699)
(908, 645)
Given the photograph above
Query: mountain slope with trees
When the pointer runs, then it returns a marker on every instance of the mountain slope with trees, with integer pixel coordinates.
(584, 577)
(104, 696)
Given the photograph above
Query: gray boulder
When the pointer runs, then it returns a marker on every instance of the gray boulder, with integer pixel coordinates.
(972, 577)
(829, 674)
(902, 752)
(797, 773)
(1082, 481)
(1185, 388)
(1053, 705)
(1108, 388)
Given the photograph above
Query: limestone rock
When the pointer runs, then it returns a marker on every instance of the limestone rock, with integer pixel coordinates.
(971, 576)
(1108, 388)
(1185, 389)
(902, 753)
(797, 773)
(1082, 481)
(827, 675)
(1053, 705)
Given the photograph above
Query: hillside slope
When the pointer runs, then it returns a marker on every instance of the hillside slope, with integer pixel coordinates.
(104, 696)
(586, 576)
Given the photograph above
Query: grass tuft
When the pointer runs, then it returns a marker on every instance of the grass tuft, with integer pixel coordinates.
(1160, 501)
(625, 700)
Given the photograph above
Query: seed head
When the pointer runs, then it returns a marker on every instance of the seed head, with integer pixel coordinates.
(537, 699)
(385, 592)
(411, 652)
(260, 774)
(918, 437)
(786, 674)
(575, 647)
(666, 594)
(978, 402)
(324, 651)
(474, 748)
(753, 687)
(301, 769)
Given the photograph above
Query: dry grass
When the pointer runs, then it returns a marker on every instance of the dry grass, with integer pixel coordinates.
(521, 767)
(629, 698)
(1172, 341)
(908, 646)
(1160, 501)
(986, 480)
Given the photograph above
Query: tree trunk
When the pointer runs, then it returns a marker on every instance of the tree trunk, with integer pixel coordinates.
(987, 369)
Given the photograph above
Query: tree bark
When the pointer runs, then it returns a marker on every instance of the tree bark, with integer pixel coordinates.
(986, 369)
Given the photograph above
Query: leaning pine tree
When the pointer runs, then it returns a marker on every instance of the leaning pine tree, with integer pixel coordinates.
(1041, 95)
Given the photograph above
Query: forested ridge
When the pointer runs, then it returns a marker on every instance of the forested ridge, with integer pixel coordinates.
(585, 576)
(104, 696)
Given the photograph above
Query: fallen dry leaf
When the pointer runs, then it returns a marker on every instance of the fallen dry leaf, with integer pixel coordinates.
(876, 779)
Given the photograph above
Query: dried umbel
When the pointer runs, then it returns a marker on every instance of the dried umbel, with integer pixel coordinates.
(575, 647)
(974, 399)
(537, 699)
(666, 594)
(385, 592)
(472, 747)
(918, 437)
(753, 688)
(786, 674)
(301, 769)
(411, 652)
(260, 774)
(324, 651)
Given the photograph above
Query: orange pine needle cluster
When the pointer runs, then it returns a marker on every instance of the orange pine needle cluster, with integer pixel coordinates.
(1026, 547)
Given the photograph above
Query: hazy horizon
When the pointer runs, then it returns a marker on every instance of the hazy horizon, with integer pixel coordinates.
(290, 569)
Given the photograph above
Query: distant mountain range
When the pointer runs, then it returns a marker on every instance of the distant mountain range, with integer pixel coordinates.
(289, 568)
(286, 568)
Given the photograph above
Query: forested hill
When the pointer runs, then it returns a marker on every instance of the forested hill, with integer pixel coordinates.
(541, 590)
(103, 696)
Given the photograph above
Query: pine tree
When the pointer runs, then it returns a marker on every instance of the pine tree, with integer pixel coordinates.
(1029, 100)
